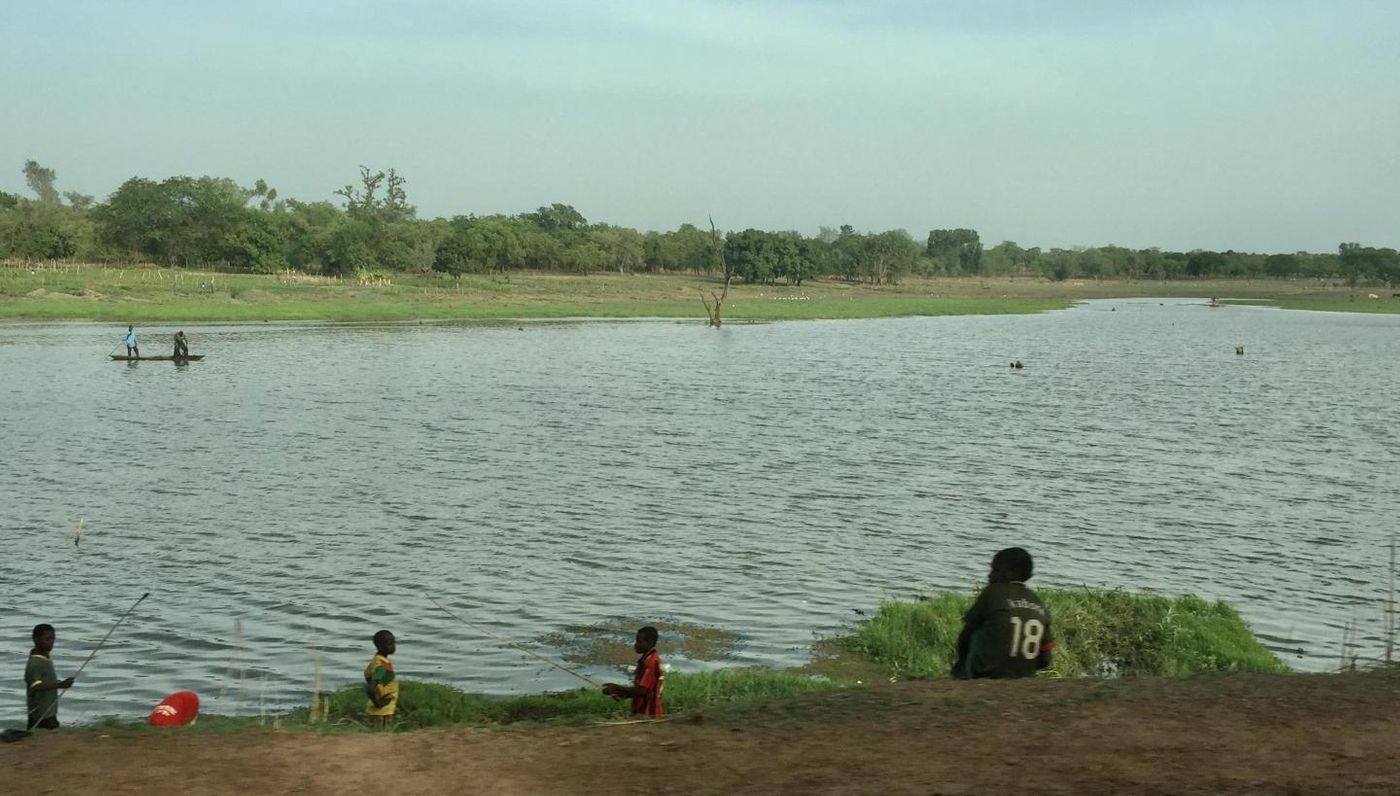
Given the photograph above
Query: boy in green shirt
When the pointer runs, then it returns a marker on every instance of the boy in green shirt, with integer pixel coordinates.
(41, 683)
(1006, 633)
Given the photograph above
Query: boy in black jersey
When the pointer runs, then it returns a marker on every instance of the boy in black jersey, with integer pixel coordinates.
(1006, 633)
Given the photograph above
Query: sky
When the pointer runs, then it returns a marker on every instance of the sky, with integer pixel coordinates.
(1268, 125)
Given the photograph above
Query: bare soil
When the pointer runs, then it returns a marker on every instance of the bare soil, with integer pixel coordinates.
(1224, 734)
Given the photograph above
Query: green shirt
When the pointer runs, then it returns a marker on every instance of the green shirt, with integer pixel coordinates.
(42, 704)
(1010, 627)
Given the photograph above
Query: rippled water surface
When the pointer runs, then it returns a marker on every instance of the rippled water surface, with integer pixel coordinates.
(308, 484)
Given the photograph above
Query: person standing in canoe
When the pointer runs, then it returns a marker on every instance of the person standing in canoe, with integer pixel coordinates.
(131, 348)
(182, 346)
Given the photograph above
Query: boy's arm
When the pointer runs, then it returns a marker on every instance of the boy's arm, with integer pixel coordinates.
(964, 645)
(42, 678)
(648, 682)
(623, 691)
(377, 697)
(971, 621)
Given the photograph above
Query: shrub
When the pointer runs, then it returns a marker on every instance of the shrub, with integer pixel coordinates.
(1098, 633)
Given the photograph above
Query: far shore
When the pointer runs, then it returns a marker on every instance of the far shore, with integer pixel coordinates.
(147, 294)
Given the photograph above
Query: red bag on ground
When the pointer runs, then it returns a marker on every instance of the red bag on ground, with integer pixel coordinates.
(176, 710)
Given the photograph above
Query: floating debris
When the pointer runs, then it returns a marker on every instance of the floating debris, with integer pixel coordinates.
(609, 643)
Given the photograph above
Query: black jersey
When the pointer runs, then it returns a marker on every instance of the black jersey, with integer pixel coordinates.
(1008, 627)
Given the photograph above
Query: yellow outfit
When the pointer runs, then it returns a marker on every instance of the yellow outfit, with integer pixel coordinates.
(380, 681)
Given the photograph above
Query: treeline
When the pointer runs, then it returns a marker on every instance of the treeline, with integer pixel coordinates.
(213, 222)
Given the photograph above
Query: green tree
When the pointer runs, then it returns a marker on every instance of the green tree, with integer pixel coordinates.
(556, 217)
(955, 250)
(582, 255)
(688, 248)
(41, 231)
(350, 246)
(187, 221)
(78, 201)
(1359, 263)
(475, 244)
(889, 256)
(40, 180)
(751, 254)
(847, 253)
(308, 229)
(790, 258)
(1204, 263)
(622, 247)
(366, 201)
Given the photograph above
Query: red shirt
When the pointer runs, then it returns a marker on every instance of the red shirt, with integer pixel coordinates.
(651, 676)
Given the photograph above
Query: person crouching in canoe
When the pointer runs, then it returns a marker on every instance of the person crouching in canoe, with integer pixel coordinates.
(131, 348)
(182, 346)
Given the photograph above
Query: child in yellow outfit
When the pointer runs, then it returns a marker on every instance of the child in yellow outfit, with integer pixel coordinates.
(381, 686)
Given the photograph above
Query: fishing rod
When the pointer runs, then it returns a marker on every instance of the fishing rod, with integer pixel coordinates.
(110, 631)
(510, 643)
(93, 654)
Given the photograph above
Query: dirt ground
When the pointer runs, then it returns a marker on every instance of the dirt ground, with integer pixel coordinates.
(1235, 734)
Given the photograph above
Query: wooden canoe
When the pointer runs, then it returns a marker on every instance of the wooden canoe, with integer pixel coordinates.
(125, 358)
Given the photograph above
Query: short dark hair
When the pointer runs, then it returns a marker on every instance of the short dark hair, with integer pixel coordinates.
(1014, 562)
(649, 633)
(381, 637)
(40, 630)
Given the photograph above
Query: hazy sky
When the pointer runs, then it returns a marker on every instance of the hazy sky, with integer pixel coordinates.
(1264, 126)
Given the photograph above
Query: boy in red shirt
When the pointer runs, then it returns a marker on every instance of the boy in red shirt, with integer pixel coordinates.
(647, 680)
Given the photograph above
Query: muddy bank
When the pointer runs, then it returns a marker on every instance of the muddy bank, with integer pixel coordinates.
(1218, 734)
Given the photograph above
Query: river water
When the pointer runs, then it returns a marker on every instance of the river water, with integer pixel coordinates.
(307, 484)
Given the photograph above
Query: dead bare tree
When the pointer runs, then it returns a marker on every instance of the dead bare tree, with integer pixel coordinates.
(714, 310)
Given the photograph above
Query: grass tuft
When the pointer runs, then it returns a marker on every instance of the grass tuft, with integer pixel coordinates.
(428, 704)
(1099, 633)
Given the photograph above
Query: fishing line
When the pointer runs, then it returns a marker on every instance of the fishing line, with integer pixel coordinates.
(510, 643)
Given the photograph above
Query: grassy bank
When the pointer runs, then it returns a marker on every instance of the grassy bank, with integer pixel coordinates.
(1099, 634)
(1225, 734)
(148, 295)
(426, 704)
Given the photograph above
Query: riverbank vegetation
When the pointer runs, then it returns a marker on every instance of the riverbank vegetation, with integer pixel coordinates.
(371, 231)
(145, 295)
(1101, 634)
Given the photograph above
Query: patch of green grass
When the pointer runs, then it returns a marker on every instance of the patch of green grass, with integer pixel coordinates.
(726, 686)
(1098, 633)
(428, 704)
